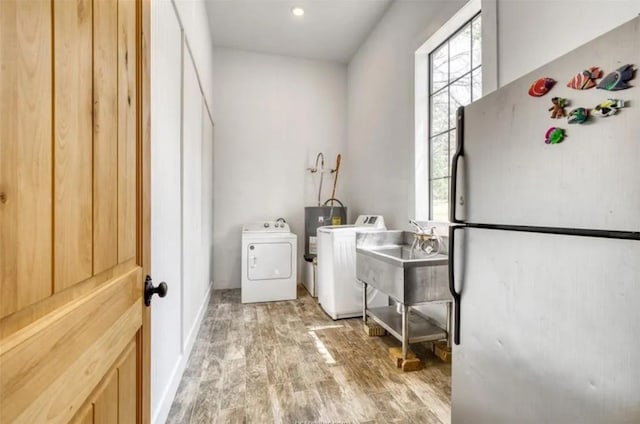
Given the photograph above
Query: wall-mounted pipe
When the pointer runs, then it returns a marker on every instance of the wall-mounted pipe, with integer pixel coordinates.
(321, 169)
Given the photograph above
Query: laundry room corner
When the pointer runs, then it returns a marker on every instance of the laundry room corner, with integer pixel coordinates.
(273, 115)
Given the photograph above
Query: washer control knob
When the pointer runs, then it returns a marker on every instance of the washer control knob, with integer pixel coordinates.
(266, 225)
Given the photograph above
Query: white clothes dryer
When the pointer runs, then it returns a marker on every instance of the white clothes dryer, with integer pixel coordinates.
(269, 258)
(339, 291)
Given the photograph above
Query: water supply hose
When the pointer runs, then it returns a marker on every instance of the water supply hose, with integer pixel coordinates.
(332, 199)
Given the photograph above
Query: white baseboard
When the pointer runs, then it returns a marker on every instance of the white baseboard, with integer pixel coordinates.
(223, 285)
(193, 332)
(160, 415)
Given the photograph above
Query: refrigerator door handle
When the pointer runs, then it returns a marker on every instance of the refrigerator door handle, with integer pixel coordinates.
(452, 284)
(454, 166)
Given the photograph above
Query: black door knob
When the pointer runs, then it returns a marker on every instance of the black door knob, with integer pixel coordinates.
(150, 290)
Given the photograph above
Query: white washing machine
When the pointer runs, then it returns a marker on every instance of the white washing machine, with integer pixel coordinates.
(268, 262)
(339, 291)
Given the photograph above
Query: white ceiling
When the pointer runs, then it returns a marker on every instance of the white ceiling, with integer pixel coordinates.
(329, 30)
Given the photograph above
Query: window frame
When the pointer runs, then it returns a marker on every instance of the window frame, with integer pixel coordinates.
(447, 86)
(489, 61)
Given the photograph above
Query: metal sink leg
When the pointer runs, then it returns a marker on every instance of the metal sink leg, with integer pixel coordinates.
(405, 331)
(364, 302)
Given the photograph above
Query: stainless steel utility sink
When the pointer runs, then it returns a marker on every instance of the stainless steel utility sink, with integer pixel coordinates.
(385, 260)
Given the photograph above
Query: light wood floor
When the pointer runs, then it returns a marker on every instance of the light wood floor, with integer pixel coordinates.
(287, 362)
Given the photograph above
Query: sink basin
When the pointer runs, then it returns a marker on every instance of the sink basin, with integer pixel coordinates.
(385, 261)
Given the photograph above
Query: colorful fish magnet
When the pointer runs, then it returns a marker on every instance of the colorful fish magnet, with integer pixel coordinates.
(578, 115)
(609, 107)
(541, 86)
(585, 79)
(617, 80)
(554, 135)
(557, 109)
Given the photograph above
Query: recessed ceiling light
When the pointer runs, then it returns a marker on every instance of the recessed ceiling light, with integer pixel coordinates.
(297, 11)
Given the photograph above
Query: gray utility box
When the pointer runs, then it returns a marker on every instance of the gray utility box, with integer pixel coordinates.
(320, 216)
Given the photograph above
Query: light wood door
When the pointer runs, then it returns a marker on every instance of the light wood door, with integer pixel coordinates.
(74, 209)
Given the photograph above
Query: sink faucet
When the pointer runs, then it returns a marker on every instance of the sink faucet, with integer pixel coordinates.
(421, 232)
(422, 237)
(419, 228)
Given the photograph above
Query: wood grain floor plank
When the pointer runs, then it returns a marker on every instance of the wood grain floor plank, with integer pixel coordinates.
(234, 351)
(422, 416)
(304, 407)
(220, 331)
(402, 393)
(296, 375)
(276, 372)
(334, 401)
(205, 405)
(257, 404)
(387, 405)
(392, 419)
(436, 396)
(232, 394)
(361, 405)
(194, 365)
(280, 395)
(268, 336)
(183, 403)
(257, 376)
(231, 416)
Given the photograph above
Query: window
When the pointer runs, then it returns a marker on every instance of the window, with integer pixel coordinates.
(455, 79)
(455, 65)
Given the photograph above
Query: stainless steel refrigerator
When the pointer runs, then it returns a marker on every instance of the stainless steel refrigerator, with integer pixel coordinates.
(545, 250)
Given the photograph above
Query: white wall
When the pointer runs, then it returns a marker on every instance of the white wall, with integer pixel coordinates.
(381, 110)
(534, 32)
(181, 182)
(273, 114)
